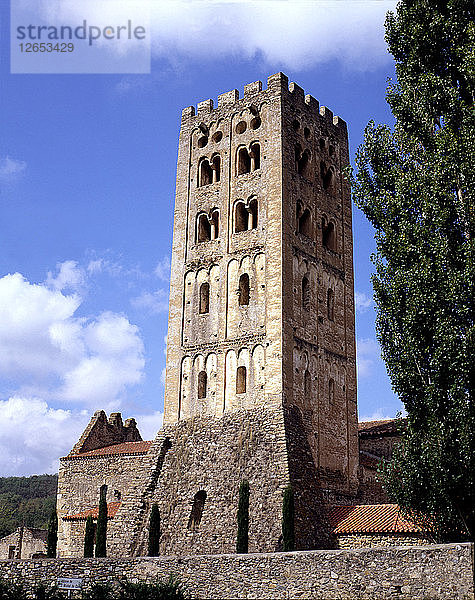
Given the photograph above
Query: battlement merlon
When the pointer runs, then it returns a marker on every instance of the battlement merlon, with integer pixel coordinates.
(277, 84)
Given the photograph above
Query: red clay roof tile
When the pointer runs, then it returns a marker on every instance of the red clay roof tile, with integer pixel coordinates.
(370, 518)
(124, 448)
(112, 508)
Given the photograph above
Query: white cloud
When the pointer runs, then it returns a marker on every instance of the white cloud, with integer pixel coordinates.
(293, 34)
(153, 303)
(362, 302)
(11, 168)
(148, 425)
(162, 270)
(44, 346)
(70, 276)
(367, 353)
(33, 435)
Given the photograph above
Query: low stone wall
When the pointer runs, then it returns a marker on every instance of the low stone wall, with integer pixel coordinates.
(428, 573)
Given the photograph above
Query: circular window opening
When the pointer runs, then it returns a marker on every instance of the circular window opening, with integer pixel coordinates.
(306, 133)
(321, 143)
(256, 123)
(202, 142)
(241, 127)
(331, 150)
(295, 125)
(218, 136)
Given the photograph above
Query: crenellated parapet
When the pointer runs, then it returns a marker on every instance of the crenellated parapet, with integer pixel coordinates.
(277, 84)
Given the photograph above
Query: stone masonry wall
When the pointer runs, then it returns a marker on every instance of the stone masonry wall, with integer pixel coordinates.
(418, 573)
(379, 540)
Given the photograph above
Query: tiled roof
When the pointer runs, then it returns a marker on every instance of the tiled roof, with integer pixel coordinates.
(370, 518)
(112, 508)
(124, 448)
(369, 428)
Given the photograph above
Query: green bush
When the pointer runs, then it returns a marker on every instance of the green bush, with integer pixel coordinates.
(172, 589)
(100, 591)
(12, 591)
(42, 593)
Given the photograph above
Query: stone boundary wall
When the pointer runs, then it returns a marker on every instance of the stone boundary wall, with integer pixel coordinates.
(415, 573)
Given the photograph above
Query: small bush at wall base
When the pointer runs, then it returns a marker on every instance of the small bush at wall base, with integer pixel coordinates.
(172, 589)
(100, 591)
(11, 591)
(43, 593)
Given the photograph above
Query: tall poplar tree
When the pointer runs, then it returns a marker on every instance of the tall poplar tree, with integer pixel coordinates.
(415, 183)
(101, 529)
(52, 539)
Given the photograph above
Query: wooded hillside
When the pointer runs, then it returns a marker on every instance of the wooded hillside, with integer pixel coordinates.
(26, 501)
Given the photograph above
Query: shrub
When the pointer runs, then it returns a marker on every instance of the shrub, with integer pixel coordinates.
(11, 591)
(42, 593)
(172, 589)
(100, 591)
(242, 541)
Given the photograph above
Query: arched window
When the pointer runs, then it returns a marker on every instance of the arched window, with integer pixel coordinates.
(204, 228)
(202, 384)
(244, 290)
(330, 304)
(241, 217)
(328, 235)
(241, 375)
(216, 166)
(197, 510)
(206, 173)
(215, 225)
(302, 159)
(243, 161)
(204, 298)
(305, 293)
(307, 384)
(305, 223)
(255, 156)
(326, 175)
(331, 391)
(253, 210)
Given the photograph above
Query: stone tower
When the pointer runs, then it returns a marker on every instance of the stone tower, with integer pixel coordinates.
(261, 380)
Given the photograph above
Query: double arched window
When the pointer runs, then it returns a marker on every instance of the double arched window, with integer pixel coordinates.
(248, 160)
(245, 216)
(207, 228)
(209, 171)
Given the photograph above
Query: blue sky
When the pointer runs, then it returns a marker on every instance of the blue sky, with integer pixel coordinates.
(87, 177)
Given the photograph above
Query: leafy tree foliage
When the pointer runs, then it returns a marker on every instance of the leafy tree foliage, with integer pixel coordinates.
(154, 532)
(288, 520)
(52, 541)
(89, 538)
(53, 593)
(172, 589)
(26, 501)
(415, 183)
(242, 541)
(101, 531)
(99, 591)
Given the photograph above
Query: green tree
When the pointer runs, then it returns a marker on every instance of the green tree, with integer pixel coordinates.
(89, 538)
(242, 540)
(415, 183)
(101, 531)
(288, 520)
(52, 541)
(154, 532)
